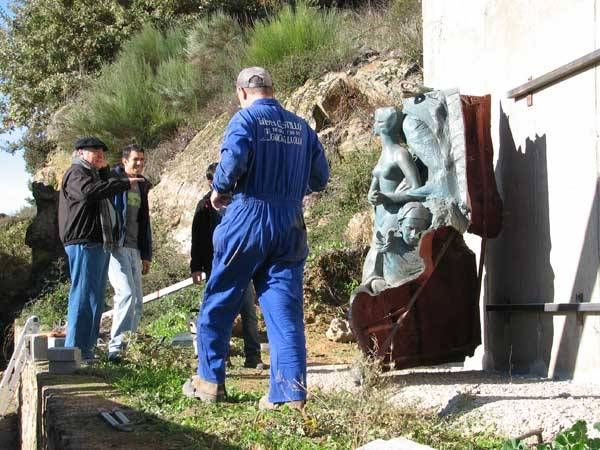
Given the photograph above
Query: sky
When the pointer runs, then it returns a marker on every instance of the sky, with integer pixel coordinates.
(14, 181)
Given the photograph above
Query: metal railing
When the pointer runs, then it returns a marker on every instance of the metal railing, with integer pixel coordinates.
(12, 375)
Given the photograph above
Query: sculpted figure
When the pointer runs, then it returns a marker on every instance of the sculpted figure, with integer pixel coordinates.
(434, 134)
(394, 175)
(398, 260)
(419, 278)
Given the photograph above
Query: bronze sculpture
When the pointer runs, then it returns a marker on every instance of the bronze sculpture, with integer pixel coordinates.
(393, 177)
(418, 298)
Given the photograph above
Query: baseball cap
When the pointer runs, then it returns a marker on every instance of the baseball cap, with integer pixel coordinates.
(254, 77)
(89, 142)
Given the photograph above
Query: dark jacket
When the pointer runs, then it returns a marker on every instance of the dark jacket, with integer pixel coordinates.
(79, 203)
(206, 219)
(120, 204)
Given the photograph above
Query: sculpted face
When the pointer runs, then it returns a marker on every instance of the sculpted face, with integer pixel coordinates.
(412, 229)
(414, 219)
(385, 120)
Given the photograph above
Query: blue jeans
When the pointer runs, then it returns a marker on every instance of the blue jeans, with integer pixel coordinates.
(125, 275)
(88, 264)
(250, 325)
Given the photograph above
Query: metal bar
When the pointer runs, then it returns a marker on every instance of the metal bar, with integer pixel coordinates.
(12, 374)
(161, 293)
(552, 308)
(576, 66)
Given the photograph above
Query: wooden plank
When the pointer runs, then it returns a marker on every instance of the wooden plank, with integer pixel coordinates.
(161, 293)
(551, 308)
(576, 66)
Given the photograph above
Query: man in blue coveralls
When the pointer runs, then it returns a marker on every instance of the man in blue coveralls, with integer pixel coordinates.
(270, 158)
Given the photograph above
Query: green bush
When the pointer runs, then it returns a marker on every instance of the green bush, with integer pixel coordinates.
(168, 265)
(12, 237)
(50, 307)
(297, 43)
(133, 99)
(179, 86)
(215, 45)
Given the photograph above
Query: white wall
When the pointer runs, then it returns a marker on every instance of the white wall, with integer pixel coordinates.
(547, 167)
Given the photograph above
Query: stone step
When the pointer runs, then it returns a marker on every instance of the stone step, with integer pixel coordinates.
(64, 354)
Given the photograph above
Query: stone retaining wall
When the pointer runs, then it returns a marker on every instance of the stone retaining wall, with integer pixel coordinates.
(61, 412)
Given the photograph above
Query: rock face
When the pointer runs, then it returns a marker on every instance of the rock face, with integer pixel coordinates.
(47, 252)
(338, 105)
(339, 331)
(183, 183)
(57, 164)
(360, 229)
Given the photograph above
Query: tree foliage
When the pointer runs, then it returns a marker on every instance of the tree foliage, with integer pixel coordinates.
(50, 49)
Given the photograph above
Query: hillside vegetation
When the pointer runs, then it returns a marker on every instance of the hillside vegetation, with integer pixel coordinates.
(159, 85)
(166, 81)
(152, 67)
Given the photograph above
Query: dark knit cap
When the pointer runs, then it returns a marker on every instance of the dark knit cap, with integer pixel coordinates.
(89, 142)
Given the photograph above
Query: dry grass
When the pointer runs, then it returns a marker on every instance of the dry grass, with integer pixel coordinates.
(395, 27)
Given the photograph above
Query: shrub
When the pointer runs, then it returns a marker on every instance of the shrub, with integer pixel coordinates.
(168, 265)
(399, 26)
(215, 45)
(297, 43)
(133, 100)
(50, 307)
(179, 86)
(574, 438)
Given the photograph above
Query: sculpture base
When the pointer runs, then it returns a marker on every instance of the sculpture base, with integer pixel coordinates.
(442, 325)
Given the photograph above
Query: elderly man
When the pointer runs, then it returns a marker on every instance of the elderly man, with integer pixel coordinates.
(88, 229)
(270, 158)
(132, 257)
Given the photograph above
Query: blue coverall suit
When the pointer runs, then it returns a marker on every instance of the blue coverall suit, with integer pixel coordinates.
(270, 158)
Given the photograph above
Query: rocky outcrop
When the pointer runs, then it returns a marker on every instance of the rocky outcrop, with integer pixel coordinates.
(47, 253)
(339, 331)
(183, 183)
(360, 229)
(56, 165)
(338, 105)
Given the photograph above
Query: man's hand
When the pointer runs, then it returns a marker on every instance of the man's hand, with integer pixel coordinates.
(145, 266)
(197, 277)
(219, 201)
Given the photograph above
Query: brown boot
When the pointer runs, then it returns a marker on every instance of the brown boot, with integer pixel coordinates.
(206, 391)
(265, 404)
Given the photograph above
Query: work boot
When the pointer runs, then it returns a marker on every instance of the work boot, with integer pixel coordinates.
(206, 391)
(265, 404)
(255, 363)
